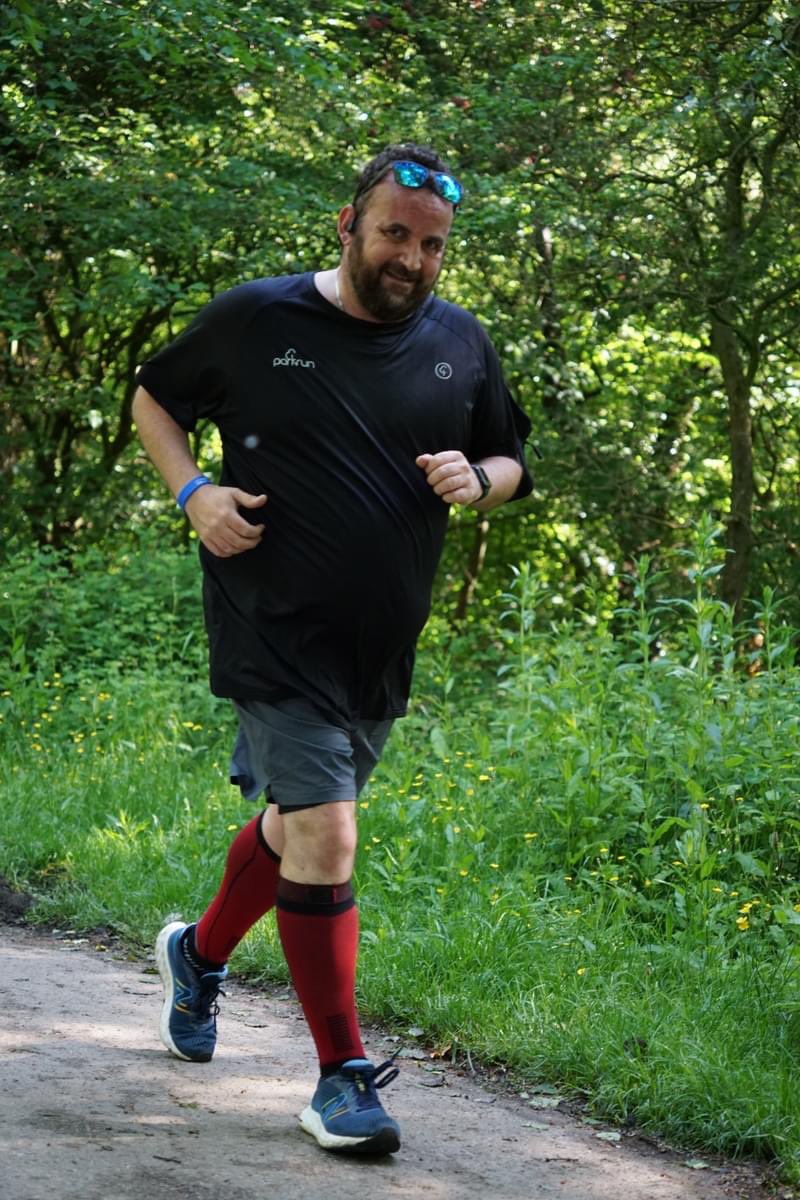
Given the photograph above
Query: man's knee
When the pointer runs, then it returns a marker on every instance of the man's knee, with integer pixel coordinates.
(321, 841)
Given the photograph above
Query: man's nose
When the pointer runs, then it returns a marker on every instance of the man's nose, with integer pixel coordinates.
(411, 256)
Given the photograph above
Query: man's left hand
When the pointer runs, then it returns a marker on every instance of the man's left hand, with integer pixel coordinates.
(451, 476)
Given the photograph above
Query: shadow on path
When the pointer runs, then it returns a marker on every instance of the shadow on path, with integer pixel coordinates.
(92, 1107)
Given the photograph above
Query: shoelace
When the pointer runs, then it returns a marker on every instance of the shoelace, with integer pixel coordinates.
(204, 998)
(367, 1079)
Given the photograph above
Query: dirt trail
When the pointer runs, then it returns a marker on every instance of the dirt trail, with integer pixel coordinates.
(92, 1107)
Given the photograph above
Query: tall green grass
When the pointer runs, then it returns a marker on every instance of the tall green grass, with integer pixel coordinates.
(579, 856)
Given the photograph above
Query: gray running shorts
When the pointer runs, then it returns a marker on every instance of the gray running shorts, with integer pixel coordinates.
(289, 751)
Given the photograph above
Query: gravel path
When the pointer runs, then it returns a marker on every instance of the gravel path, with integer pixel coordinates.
(92, 1106)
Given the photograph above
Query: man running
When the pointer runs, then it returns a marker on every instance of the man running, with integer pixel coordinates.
(354, 409)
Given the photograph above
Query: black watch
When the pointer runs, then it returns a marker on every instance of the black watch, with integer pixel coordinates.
(483, 480)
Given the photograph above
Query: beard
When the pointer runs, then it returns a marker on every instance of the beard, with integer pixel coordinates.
(373, 286)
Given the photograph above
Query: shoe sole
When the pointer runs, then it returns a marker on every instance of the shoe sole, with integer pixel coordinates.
(385, 1141)
(168, 980)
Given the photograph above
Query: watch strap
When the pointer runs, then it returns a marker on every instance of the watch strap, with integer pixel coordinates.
(483, 480)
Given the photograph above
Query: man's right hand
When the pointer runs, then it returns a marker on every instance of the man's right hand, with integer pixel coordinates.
(214, 514)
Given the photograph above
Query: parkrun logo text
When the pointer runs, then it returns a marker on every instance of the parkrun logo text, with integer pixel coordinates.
(290, 359)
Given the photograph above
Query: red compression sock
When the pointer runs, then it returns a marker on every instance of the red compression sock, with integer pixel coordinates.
(247, 891)
(318, 924)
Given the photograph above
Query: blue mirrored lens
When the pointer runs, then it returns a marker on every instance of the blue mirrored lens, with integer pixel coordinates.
(448, 188)
(413, 175)
(410, 174)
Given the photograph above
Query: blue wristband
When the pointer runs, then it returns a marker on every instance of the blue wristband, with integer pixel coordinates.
(189, 489)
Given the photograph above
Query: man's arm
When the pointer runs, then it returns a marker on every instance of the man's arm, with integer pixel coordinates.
(213, 511)
(451, 476)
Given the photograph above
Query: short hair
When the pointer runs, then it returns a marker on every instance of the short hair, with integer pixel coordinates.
(377, 167)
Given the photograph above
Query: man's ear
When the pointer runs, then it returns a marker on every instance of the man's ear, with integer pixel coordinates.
(346, 223)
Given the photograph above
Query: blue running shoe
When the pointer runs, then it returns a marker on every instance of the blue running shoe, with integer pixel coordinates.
(189, 1016)
(345, 1113)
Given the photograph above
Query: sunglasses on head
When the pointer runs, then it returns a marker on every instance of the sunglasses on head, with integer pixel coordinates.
(413, 175)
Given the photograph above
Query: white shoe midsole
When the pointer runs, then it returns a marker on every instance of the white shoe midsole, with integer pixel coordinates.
(312, 1123)
(167, 979)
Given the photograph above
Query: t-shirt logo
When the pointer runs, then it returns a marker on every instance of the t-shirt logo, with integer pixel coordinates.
(443, 370)
(290, 359)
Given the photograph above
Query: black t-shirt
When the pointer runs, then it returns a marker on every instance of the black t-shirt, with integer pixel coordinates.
(326, 415)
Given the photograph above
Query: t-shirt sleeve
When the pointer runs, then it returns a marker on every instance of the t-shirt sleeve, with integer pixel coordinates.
(499, 426)
(190, 377)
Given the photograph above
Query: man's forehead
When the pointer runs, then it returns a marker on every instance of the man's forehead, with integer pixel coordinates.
(389, 200)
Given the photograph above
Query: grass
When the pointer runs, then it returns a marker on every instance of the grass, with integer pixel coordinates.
(578, 857)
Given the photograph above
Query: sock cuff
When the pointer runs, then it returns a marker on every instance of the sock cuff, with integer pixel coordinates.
(263, 843)
(188, 943)
(315, 899)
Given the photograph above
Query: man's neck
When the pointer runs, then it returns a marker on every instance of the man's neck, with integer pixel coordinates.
(335, 288)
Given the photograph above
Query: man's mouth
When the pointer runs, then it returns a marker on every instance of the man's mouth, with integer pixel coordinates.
(408, 280)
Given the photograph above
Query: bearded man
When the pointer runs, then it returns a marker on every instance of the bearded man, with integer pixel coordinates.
(355, 408)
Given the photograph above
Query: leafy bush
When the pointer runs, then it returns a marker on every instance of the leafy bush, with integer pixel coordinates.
(71, 613)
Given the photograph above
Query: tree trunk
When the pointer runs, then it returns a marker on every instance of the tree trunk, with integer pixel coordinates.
(736, 571)
(553, 360)
(477, 554)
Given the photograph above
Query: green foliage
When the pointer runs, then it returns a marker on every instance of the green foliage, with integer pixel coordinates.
(85, 612)
(627, 239)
